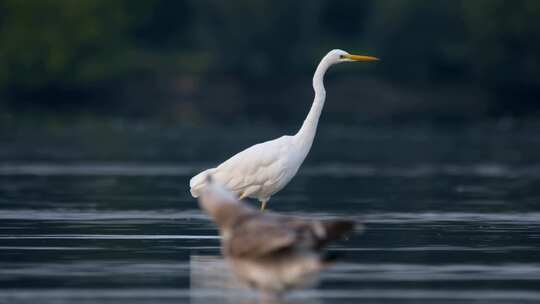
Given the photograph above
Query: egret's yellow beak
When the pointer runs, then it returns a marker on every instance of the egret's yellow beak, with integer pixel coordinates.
(360, 58)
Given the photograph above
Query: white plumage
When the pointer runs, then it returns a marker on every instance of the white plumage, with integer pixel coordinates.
(262, 170)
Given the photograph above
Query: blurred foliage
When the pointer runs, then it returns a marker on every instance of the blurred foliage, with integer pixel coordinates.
(209, 59)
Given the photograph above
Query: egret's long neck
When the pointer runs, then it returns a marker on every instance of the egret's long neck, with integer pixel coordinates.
(306, 134)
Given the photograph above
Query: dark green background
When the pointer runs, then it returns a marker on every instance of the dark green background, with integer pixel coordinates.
(200, 62)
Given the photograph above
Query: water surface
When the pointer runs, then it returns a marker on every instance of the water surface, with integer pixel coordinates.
(450, 214)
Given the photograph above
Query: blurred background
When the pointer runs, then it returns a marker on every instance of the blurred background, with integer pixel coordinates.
(108, 108)
(213, 62)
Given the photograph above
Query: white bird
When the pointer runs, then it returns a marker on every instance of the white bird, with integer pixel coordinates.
(267, 251)
(262, 170)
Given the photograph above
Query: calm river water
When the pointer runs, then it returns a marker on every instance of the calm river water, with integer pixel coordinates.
(92, 215)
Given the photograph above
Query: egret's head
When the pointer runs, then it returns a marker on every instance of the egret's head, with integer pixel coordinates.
(338, 56)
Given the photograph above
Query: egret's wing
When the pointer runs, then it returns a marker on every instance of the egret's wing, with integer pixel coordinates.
(258, 236)
(255, 166)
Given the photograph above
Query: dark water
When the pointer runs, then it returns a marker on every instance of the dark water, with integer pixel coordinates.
(451, 214)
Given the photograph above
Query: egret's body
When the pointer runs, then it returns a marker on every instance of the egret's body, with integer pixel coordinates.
(262, 170)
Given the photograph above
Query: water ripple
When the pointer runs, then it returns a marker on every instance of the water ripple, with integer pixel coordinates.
(515, 218)
(174, 294)
(336, 170)
(473, 217)
(422, 272)
(118, 169)
(79, 215)
(108, 237)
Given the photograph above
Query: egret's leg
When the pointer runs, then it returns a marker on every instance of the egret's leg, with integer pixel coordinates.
(263, 205)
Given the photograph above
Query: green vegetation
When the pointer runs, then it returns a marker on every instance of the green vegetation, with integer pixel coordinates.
(218, 60)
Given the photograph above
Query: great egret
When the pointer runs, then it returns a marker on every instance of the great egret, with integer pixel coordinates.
(267, 251)
(264, 169)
